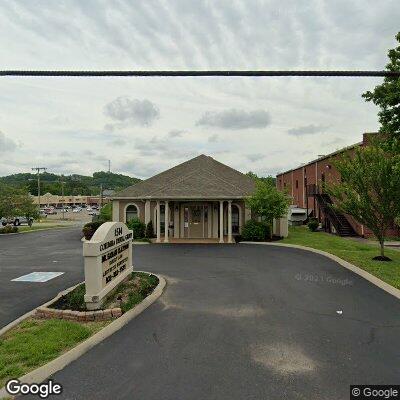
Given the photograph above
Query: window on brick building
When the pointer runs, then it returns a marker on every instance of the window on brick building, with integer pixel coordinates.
(297, 184)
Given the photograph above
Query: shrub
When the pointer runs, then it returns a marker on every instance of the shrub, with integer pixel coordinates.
(138, 228)
(9, 229)
(73, 300)
(149, 230)
(313, 224)
(90, 228)
(255, 231)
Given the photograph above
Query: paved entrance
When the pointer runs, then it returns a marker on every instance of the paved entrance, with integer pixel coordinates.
(245, 322)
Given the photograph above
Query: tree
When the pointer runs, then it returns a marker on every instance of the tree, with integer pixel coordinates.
(6, 201)
(268, 203)
(16, 202)
(267, 179)
(106, 212)
(387, 97)
(369, 189)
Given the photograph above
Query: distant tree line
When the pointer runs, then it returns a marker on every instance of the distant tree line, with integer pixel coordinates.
(74, 184)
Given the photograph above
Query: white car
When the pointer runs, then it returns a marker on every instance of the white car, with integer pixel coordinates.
(89, 209)
(77, 209)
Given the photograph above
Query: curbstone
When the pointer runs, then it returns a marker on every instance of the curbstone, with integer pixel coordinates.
(44, 372)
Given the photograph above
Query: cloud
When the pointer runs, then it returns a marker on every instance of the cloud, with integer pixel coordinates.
(307, 130)
(132, 111)
(255, 157)
(213, 138)
(118, 142)
(6, 144)
(175, 133)
(235, 119)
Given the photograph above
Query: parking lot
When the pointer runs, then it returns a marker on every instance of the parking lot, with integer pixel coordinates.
(82, 216)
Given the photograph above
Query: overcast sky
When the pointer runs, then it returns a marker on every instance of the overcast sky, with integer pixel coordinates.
(145, 125)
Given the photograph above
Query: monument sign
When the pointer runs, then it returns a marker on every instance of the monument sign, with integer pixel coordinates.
(108, 261)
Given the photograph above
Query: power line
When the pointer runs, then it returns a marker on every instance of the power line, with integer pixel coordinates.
(182, 73)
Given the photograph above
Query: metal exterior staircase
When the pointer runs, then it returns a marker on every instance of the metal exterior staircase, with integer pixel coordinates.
(337, 219)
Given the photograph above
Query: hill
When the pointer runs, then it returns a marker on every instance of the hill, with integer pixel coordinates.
(74, 184)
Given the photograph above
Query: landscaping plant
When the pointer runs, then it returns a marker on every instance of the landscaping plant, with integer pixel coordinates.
(138, 228)
(268, 203)
(369, 189)
(90, 228)
(149, 234)
(313, 224)
(255, 231)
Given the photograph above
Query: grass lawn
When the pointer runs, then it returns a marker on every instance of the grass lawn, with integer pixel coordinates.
(33, 343)
(359, 254)
(36, 227)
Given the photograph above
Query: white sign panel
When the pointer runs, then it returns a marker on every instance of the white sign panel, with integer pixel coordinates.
(108, 261)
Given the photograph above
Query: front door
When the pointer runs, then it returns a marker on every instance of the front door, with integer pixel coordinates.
(196, 221)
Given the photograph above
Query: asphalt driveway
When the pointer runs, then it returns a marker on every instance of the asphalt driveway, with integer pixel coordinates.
(57, 250)
(245, 322)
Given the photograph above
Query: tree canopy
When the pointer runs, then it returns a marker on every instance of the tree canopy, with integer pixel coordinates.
(387, 97)
(74, 184)
(369, 189)
(268, 202)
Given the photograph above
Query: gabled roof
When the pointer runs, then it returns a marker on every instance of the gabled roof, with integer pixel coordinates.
(201, 177)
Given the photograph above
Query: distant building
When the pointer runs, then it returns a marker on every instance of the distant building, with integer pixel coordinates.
(54, 200)
(304, 185)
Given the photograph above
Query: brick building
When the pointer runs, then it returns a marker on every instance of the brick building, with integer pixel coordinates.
(304, 185)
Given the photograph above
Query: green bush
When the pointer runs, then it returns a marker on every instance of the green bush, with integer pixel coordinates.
(255, 231)
(313, 224)
(90, 228)
(149, 230)
(73, 300)
(9, 229)
(138, 228)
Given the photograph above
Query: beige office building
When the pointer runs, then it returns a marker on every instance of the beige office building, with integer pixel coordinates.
(198, 199)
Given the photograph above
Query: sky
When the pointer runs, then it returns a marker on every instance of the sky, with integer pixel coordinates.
(146, 125)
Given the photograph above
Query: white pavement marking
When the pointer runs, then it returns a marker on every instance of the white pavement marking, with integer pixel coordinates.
(37, 277)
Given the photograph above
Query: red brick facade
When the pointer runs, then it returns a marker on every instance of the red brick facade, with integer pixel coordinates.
(315, 172)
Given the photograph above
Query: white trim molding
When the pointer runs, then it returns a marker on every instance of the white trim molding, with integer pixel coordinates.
(131, 204)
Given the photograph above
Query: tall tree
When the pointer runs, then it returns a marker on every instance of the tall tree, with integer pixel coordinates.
(369, 189)
(268, 202)
(387, 97)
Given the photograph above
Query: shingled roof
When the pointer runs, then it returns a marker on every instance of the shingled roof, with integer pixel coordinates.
(201, 177)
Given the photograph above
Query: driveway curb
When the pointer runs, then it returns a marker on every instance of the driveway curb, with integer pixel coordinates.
(45, 371)
(357, 270)
(32, 312)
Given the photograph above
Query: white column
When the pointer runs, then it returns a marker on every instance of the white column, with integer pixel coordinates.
(115, 210)
(176, 219)
(229, 221)
(147, 215)
(158, 222)
(166, 224)
(221, 221)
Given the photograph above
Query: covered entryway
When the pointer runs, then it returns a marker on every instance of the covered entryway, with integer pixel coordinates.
(197, 228)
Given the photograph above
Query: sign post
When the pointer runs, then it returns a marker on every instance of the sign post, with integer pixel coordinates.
(108, 261)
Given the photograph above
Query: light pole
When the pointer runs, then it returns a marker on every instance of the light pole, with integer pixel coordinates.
(62, 194)
(38, 169)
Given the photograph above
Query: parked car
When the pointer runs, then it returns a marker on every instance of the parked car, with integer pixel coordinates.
(16, 221)
(77, 209)
(50, 211)
(93, 212)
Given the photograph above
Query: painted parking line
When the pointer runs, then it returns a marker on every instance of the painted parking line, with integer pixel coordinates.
(37, 277)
